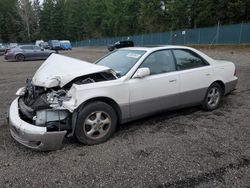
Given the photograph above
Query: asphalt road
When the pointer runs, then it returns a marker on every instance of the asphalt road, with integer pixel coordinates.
(184, 148)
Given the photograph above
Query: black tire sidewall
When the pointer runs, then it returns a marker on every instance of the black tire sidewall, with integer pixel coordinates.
(205, 102)
(85, 112)
(19, 55)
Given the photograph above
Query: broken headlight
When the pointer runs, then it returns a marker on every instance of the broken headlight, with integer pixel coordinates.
(56, 98)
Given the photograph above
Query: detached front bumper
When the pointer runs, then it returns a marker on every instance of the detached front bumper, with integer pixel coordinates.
(30, 135)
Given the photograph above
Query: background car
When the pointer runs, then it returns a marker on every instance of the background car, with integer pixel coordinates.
(54, 44)
(27, 52)
(12, 45)
(38, 42)
(2, 49)
(65, 45)
(121, 44)
(44, 45)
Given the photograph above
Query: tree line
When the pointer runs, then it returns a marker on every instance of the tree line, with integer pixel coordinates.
(27, 21)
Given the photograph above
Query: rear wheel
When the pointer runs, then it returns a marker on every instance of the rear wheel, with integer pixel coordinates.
(20, 57)
(95, 123)
(213, 97)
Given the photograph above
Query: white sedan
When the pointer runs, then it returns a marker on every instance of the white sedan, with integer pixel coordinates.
(69, 97)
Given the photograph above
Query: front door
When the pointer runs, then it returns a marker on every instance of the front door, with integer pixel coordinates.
(159, 90)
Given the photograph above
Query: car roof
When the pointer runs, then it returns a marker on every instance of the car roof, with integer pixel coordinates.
(155, 48)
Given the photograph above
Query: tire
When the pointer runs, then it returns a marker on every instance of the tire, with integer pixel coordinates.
(19, 57)
(213, 97)
(96, 123)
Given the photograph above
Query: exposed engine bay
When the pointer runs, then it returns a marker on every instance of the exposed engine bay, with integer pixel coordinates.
(44, 106)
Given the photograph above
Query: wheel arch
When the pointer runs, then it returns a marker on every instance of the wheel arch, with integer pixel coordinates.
(19, 53)
(222, 84)
(106, 100)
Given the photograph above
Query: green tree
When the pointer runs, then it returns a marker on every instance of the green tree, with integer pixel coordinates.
(26, 14)
(23, 21)
(9, 21)
(47, 19)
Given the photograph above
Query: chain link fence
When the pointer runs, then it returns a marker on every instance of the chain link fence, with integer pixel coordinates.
(237, 34)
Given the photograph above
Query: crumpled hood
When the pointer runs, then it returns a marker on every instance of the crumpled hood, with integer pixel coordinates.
(58, 70)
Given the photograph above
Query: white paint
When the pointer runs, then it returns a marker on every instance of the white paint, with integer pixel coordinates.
(59, 70)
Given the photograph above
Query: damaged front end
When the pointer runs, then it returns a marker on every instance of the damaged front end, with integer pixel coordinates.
(43, 107)
(37, 118)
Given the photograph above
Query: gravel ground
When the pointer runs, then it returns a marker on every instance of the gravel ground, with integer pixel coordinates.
(184, 148)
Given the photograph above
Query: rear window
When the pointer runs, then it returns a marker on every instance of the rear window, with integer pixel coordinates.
(37, 48)
(186, 59)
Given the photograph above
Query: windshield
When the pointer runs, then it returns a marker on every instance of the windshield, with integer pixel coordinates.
(121, 61)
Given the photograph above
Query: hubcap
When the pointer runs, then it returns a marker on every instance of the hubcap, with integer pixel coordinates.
(19, 57)
(213, 97)
(97, 125)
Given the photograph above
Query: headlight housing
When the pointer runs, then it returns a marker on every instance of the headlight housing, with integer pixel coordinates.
(21, 91)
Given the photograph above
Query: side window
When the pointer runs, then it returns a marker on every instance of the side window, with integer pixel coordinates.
(37, 48)
(186, 59)
(159, 62)
(27, 47)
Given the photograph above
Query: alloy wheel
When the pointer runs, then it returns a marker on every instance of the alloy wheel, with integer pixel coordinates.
(97, 125)
(213, 97)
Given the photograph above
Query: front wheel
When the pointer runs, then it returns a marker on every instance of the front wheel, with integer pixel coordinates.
(96, 123)
(213, 97)
(19, 57)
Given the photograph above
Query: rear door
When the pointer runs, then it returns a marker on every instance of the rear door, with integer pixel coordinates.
(38, 52)
(195, 76)
(159, 90)
(28, 51)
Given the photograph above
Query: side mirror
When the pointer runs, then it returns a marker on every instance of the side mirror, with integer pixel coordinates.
(142, 72)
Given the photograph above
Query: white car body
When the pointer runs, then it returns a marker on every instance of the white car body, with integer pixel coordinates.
(133, 97)
(38, 42)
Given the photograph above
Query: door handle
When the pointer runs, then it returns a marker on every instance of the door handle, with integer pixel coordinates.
(174, 80)
(208, 74)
